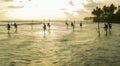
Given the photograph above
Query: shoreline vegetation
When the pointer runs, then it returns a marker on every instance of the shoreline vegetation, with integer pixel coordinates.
(109, 14)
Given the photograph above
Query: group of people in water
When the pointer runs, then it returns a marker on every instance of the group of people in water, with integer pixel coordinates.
(107, 26)
(73, 25)
(67, 24)
(9, 27)
(45, 27)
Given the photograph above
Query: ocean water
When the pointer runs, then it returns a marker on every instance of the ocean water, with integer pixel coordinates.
(59, 46)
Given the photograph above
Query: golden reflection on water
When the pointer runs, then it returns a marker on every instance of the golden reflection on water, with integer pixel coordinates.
(61, 47)
(41, 32)
(45, 47)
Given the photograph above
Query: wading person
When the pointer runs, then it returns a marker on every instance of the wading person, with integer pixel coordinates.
(44, 27)
(105, 28)
(8, 28)
(48, 25)
(110, 26)
(81, 25)
(16, 26)
(72, 25)
(67, 24)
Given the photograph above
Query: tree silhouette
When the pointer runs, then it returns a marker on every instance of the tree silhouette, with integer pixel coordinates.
(107, 14)
(118, 14)
(105, 9)
(97, 12)
(112, 9)
(118, 11)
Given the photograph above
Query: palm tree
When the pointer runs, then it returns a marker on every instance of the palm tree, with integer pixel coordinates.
(105, 9)
(112, 9)
(118, 14)
(118, 11)
(97, 12)
(108, 12)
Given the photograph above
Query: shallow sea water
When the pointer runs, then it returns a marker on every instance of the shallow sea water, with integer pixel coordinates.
(60, 46)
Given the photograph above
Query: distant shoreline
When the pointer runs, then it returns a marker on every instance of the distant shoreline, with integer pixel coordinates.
(35, 20)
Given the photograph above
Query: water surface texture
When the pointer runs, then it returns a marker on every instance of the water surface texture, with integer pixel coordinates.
(60, 46)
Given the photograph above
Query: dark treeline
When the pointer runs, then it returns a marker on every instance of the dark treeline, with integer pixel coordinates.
(107, 14)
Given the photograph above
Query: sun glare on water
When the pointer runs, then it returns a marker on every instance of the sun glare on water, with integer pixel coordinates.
(41, 32)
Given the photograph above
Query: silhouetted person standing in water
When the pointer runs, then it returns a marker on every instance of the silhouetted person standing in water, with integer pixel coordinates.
(15, 25)
(106, 27)
(44, 27)
(8, 28)
(81, 25)
(72, 25)
(48, 24)
(110, 26)
(67, 24)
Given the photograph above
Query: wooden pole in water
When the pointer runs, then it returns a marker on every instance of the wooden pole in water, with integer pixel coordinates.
(99, 21)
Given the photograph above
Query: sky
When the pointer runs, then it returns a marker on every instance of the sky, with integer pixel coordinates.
(49, 9)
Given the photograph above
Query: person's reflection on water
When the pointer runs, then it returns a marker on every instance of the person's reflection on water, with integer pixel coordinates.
(44, 36)
(9, 35)
(49, 31)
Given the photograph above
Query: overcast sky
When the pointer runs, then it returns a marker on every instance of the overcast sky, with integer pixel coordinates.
(49, 9)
